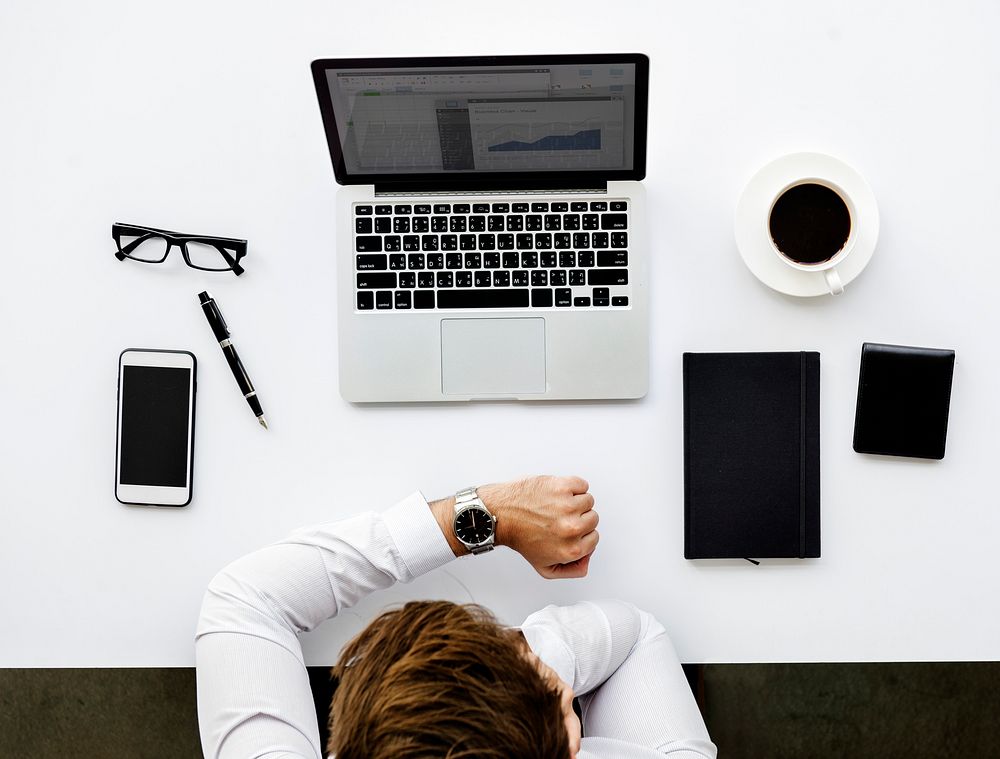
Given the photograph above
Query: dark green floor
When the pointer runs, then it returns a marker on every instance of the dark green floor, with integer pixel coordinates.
(753, 711)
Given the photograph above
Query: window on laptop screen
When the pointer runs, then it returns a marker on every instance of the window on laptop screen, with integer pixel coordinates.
(470, 119)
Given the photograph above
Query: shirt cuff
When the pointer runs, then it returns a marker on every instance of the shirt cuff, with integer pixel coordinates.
(417, 535)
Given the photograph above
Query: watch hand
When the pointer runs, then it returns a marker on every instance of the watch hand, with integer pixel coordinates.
(473, 515)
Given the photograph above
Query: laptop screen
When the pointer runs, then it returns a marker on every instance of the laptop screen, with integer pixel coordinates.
(514, 116)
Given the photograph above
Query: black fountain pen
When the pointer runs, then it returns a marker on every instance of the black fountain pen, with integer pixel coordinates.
(218, 325)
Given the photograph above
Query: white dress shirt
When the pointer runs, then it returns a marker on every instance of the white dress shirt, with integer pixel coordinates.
(254, 699)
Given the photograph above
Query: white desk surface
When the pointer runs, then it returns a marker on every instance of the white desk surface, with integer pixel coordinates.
(202, 117)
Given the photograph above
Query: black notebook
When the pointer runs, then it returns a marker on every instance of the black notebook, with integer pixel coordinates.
(751, 455)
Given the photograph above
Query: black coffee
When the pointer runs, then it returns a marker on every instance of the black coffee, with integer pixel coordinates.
(810, 223)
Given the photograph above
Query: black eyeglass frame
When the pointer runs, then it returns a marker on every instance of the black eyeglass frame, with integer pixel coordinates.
(231, 249)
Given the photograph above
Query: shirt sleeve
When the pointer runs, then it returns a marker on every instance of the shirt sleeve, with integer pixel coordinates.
(254, 698)
(621, 663)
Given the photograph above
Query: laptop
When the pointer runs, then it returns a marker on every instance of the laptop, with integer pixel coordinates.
(491, 240)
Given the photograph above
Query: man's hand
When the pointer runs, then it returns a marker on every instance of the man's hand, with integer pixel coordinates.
(550, 521)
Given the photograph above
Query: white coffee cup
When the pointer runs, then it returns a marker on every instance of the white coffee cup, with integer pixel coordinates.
(827, 267)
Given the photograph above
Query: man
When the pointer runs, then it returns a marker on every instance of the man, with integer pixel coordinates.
(435, 679)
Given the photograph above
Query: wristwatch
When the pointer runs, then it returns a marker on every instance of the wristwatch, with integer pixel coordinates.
(475, 527)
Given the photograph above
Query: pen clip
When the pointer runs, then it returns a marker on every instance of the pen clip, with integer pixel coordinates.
(222, 319)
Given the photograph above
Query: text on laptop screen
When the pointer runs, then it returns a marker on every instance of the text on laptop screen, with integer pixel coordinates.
(485, 118)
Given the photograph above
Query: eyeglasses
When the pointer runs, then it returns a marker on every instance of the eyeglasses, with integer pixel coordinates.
(151, 246)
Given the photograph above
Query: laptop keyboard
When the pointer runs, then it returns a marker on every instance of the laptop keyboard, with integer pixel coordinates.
(518, 255)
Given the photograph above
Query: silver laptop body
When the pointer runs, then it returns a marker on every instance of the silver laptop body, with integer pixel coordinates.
(459, 281)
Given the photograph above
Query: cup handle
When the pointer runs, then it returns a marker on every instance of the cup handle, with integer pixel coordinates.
(833, 281)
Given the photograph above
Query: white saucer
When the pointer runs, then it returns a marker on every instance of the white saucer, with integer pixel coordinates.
(754, 240)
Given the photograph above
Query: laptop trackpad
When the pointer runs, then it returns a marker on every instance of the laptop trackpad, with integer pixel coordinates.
(492, 357)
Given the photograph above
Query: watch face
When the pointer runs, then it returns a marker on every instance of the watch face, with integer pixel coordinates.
(473, 526)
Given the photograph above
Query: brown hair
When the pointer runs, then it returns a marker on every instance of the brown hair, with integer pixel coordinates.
(438, 680)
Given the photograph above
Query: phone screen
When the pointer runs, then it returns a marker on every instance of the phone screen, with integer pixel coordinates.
(155, 420)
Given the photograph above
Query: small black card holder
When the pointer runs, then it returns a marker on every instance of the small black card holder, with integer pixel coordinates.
(904, 394)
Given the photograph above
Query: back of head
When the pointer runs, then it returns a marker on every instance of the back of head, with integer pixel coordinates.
(437, 680)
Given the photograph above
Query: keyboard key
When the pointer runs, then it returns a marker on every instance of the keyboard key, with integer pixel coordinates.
(425, 279)
(602, 292)
(510, 260)
(424, 209)
(477, 223)
(453, 260)
(480, 208)
(368, 244)
(411, 242)
(559, 207)
(460, 208)
(585, 259)
(598, 205)
(564, 297)
(495, 223)
(501, 279)
(445, 279)
(591, 221)
(483, 278)
(560, 240)
(553, 222)
(397, 261)
(366, 301)
(539, 298)
(612, 258)
(619, 205)
(383, 225)
(423, 299)
(532, 223)
(473, 261)
(614, 221)
(581, 302)
(539, 278)
(543, 240)
(601, 302)
(519, 208)
(571, 221)
(362, 210)
(374, 281)
(515, 223)
(529, 260)
(547, 259)
(567, 259)
(619, 239)
(407, 280)
(607, 277)
(525, 241)
(505, 242)
(372, 261)
(402, 298)
(578, 206)
(467, 242)
(599, 240)
(619, 300)
(458, 224)
(519, 278)
(442, 208)
(429, 242)
(435, 260)
(439, 224)
(415, 261)
(581, 240)
(383, 299)
(363, 226)
(421, 224)
(402, 209)
(463, 279)
(539, 207)
(501, 207)
(483, 298)
(391, 242)
(449, 242)
(557, 278)
(578, 278)
(401, 225)
(487, 242)
(491, 260)
(383, 210)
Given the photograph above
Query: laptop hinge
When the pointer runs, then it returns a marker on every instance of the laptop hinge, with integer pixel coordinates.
(491, 187)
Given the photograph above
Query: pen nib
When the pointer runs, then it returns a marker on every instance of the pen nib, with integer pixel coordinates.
(263, 421)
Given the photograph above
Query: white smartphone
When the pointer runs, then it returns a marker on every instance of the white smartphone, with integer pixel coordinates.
(154, 464)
